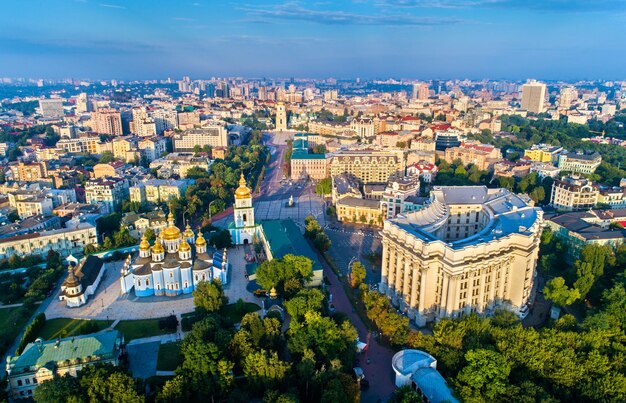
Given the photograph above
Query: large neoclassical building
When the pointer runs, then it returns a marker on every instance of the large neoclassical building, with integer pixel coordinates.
(174, 265)
(472, 249)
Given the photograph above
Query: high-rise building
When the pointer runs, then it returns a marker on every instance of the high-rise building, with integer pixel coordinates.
(471, 249)
(107, 121)
(533, 96)
(567, 97)
(51, 108)
(281, 117)
(82, 103)
(423, 93)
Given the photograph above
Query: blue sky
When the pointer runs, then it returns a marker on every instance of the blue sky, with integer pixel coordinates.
(127, 39)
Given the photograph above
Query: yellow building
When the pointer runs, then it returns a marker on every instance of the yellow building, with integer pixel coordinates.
(543, 153)
(369, 166)
(354, 209)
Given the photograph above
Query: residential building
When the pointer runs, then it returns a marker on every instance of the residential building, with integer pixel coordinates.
(152, 148)
(544, 170)
(580, 162)
(188, 120)
(533, 97)
(82, 103)
(344, 185)
(480, 155)
(51, 108)
(567, 97)
(32, 206)
(400, 197)
(591, 227)
(138, 223)
(81, 145)
(107, 121)
(446, 139)
(125, 148)
(363, 127)
(165, 119)
(29, 172)
(543, 153)
(574, 193)
(367, 165)
(110, 191)
(66, 241)
(158, 190)
(424, 170)
(179, 164)
(471, 249)
(113, 168)
(45, 360)
(213, 136)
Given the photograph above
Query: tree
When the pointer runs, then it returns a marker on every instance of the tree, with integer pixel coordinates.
(319, 149)
(538, 194)
(118, 387)
(149, 234)
(221, 239)
(324, 187)
(279, 272)
(556, 291)
(265, 370)
(209, 296)
(61, 389)
(175, 390)
(485, 376)
(106, 157)
(197, 173)
(306, 300)
(358, 274)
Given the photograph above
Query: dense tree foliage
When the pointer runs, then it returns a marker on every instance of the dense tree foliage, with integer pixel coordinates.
(315, 233)
(287, 275)
(209, 296)
(324, 187)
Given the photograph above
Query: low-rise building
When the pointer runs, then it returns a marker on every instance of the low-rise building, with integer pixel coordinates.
(574, 193)
(480, 155)
(579, 162)
(29, 172)
(344, 185)
(66, 241)
(213, 136)
(137, 223)
(32, 206)
(178, 164)
(400, 196)
(82, 280)
(424, 170)
(45, 360)
(110, 191)
(543, 153)
(158, 190)
(418, 370)
(111, 169)
(353, 209)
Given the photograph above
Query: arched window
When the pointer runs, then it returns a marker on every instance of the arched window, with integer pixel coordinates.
(139, 283)
(177, 286)
(171, 274)
(186, 284)
(245, 217)
(158, 286)
(147, 281)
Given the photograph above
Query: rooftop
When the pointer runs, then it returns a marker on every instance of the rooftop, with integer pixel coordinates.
(284, 238)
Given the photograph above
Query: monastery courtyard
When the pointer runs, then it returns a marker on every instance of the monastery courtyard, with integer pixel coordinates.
(109, 304)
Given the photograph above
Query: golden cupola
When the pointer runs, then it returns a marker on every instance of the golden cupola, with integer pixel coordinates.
(200, 241)
(242, 192)
(144, 245)
(188, 232)
(171, 233)
(184, 246)
(158, 247)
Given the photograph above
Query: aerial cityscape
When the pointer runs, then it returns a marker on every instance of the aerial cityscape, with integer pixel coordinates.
(378, 201)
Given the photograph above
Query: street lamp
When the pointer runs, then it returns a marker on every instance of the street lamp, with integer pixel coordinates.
(212, 201)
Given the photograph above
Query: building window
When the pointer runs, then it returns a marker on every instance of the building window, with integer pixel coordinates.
(139, 283)
(147, 281)
(19, 382)
(171, 275)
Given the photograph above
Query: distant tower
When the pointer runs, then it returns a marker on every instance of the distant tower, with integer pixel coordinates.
(281, 117)
(243, 229)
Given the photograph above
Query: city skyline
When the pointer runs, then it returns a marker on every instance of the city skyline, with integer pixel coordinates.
(495, 39)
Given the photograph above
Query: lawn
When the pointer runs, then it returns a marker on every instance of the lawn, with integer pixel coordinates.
(169, 357)
(66, 327)
(12, 321)
(138, 329)
(232, 313)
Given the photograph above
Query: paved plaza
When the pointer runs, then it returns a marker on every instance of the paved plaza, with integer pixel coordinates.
(109, 303)
(348, 244)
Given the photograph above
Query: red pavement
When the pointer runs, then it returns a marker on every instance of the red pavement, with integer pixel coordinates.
(378, 372)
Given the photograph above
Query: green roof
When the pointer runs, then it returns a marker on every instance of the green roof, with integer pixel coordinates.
(304, 155)
(285, 238)
(102, 344)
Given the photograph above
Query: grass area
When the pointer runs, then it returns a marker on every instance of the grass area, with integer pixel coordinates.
(65, 327)
(169, 357)
(232, 313)
(137, 329)
(12, 321)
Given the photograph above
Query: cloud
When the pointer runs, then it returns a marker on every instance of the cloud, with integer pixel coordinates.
(534, 5)
(184, 19)
(263, 40)
(295, 12)
(56, 46)
(116, 6)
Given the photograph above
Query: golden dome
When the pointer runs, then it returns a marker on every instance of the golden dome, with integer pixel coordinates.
(184, 246)
(188, 232)
(144, 245)
(242, 192)
(200, 241)
(158, 247)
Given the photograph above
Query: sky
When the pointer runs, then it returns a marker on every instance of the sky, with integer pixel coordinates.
(421, 39)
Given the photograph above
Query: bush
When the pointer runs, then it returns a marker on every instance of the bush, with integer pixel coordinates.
(169, 323)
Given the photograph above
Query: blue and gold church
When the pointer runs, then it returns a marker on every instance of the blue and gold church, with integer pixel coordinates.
(174, 265)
